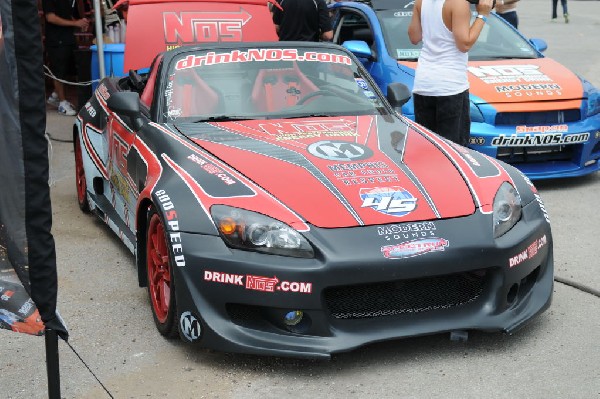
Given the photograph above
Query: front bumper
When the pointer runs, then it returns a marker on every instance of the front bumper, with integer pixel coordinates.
(352, 295)
(543, 161)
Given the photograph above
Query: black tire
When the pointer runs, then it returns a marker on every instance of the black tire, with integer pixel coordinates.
(80, 182)
(159, 269)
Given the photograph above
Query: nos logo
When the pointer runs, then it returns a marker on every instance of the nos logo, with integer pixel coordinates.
(394, 201)
(339, 151)
(190, 326)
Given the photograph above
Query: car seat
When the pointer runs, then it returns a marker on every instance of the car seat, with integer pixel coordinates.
(275, 89)
(191, 95)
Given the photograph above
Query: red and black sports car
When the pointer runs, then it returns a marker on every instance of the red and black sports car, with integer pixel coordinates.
(278, 204)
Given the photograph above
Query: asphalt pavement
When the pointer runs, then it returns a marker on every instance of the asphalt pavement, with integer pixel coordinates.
(115, 350)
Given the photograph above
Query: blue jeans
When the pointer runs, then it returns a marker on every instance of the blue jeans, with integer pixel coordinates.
(563, 3)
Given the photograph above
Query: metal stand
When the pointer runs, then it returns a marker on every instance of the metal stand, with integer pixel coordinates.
(52, 364)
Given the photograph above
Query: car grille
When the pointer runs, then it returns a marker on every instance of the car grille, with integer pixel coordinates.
(404, 296)
(537, 118)
(515, 155)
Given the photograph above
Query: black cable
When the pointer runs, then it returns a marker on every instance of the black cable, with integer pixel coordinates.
(90, 370)
(580, 287)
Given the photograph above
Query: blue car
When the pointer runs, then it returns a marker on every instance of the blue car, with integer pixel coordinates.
(526, 109)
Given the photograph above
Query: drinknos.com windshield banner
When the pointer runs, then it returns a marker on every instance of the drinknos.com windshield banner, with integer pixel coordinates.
(28, 281)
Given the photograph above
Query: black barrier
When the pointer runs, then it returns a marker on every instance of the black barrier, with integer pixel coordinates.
(83, 58)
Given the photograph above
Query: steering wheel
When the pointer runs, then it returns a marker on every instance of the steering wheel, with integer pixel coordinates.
(315, 94)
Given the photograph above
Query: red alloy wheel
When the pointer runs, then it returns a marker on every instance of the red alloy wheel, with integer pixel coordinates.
(159, 269)
(80, 178)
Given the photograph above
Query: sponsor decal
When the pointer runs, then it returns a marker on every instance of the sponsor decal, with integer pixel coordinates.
(258, 283)
(414, 248)
(407, 53)
(407, 231)
(542, 129)
(190, 326)
(182, 28)
(403, 14)
(251, 55)
(310, 129)
(528, 253)
(477, 140)
(360, 181)
(6, 295)
(394, 201)
(119, 183)
(91, 110)
(509, 73)
(26, 308)
(542, 207)
(529, 140)
(362, 83)
(529, 90)
(212, 169)
(339, 151)
(173, 234)
(353, 173)
(103, 91)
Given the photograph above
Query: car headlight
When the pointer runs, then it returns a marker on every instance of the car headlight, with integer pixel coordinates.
(256, 232)
(476, 115)
(507, 209)
(593, 102)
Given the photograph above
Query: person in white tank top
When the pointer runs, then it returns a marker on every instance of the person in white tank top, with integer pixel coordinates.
(441, 87)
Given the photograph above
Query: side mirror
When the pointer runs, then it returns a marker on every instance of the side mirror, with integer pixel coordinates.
(539, 44)
(398, 94)
(359, 48)
(127, 103)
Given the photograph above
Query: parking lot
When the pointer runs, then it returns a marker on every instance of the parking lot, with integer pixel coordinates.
(112, 331)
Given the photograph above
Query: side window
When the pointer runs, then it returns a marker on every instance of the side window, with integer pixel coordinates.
(354, 27)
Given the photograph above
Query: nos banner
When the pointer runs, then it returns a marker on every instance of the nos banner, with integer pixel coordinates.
(28, 281)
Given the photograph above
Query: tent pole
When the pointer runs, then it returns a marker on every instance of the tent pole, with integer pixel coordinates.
(52, 364)
(99, 38)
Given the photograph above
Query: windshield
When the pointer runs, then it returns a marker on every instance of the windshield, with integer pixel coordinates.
(496, 41)
(266, 83)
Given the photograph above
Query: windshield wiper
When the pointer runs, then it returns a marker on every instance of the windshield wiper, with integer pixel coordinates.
(222, 118)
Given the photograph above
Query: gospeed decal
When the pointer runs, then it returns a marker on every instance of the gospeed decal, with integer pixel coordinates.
(528, 253)
(258, 283)
(251, 55)
(190, 326)
(394, 201)
(174, 236)
(413, 248)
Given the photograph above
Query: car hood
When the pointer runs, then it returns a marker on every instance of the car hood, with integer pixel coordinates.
(345, 171)
(520, 81)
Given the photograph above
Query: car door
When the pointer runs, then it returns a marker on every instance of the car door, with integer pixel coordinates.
(123, 191)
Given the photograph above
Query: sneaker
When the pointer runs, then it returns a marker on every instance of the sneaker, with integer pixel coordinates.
(553, 20)
(566, 18)
(66, 108)
(53, 100)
